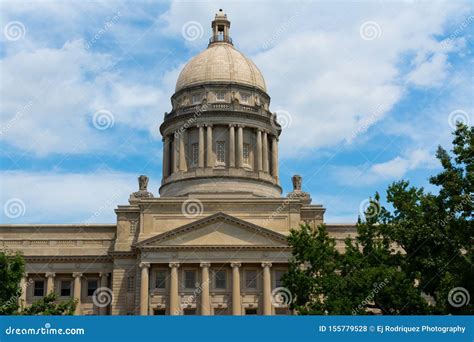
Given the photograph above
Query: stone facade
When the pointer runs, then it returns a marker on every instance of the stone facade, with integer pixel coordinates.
(214, 242)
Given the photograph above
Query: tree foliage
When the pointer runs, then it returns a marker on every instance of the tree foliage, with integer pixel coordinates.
(410, 259)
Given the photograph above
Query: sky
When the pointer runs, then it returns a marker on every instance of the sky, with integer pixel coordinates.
(365, 93)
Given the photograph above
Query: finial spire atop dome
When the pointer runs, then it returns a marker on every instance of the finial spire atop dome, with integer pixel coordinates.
(220, 29)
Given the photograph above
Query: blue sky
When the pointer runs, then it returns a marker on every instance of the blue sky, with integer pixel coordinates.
(365, 92)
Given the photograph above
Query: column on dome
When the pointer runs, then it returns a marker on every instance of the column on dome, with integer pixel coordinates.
(201, 146)
(144, 287)
(275, 157)
(166, 156)
(50, 282)
(77, 291)
(236, 301)
(240, 146)
(231, 145)
(259, 150)
(182, 152)
(265, 151)
(174, 152)
(175, 308)
(205, 297)
(267, 289)
(209, 153)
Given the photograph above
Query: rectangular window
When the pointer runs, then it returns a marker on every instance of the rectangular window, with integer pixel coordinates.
(160, 279)
(38, 290)
(91, 287)
(159, 312)
(278, 278)
(220, 96)
(131, 284)
(189, 312)
(244, 98)
(194, 154)
(281, 311)
(220, 279)
(196, 98)
(246, 153)
(250, 312)
(251, 279)
(65, 290)
(189, 279)
(220, 151)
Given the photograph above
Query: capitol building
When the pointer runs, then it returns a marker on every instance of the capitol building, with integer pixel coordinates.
(213, 242)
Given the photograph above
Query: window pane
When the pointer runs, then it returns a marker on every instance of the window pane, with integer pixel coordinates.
(130, 284)
(65, 288)
(159, 312)
(195, 154)
(220, 151)
(160, 279)
(197, 98)
(246, 150)
(244, 98)
(278, 276)
(39, 288)
(189, 312)
(251, 279)
(220, 96)
(249, 312)
(91, 287)
(189, 279)
(221, 279)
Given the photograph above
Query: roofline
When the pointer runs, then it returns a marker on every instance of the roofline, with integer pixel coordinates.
(58, 225)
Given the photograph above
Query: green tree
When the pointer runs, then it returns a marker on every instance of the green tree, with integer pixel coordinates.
(407, 260)
(12, 269)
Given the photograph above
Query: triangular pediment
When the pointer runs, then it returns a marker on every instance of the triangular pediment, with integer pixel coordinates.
(217, 230)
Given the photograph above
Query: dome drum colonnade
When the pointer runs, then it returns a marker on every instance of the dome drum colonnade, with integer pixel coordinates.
(220, 137)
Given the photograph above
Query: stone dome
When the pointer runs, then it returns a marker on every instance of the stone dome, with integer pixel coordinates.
(220, 63)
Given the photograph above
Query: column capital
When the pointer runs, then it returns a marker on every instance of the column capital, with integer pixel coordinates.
(50, 274)
(232, 125)
(205, 264)
(208, 125)
(77, 275)
(235, 264)
(240, 126)
(266, 264)
(104, 274)
(174, 264)
(144, 265)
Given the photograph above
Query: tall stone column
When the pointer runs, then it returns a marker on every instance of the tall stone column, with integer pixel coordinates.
(265, 151)
(259, 150)
(24, 288)
(240, 146)
(182, 153)
(144, 287)
(103, 284)
(236, 301)
(174, 153)
(166, 156)
(205, 284)
(77, 291)
(209, 153)
(50, 282)
(201, 147)
(231, 145)
(267, 289)
(275, 157)
(175, 305)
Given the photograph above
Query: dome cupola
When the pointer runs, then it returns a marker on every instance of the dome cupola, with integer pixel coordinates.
(220, 139)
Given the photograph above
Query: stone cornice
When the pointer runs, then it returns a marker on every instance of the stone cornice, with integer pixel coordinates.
(71, 258)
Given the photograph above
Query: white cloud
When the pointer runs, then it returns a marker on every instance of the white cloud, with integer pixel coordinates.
(68, 197)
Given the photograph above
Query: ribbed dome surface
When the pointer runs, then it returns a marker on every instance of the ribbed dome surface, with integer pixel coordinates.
(220, 62)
